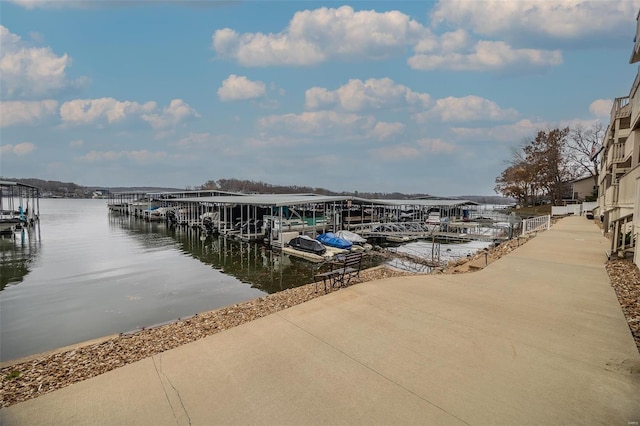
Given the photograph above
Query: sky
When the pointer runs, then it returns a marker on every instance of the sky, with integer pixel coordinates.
(380, 96)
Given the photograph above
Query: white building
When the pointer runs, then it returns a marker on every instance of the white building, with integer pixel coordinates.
(619, 178)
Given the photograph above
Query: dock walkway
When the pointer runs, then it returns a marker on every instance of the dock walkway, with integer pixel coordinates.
(537, 337)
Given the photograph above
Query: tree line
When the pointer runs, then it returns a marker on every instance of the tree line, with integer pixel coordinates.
(258, 187)
(542, 168)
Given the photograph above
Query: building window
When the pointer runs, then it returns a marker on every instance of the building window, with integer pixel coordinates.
(625, 122)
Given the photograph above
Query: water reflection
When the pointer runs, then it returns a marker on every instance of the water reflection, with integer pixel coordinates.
(252, 263)
(18, 252)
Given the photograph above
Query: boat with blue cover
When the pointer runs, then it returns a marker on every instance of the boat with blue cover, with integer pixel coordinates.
(332, 240)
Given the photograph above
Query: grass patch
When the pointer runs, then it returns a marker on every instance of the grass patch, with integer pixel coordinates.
(533, 211)
(13, 375)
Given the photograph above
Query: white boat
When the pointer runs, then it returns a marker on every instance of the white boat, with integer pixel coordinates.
(10, 221)
(432, 224)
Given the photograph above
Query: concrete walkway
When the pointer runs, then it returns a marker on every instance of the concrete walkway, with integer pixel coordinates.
(537, 337)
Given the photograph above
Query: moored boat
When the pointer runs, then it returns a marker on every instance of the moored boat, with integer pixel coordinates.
(332, 240)
(351, 236)
(307, 244)
(10, 221)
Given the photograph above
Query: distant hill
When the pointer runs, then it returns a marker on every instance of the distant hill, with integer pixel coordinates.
(489, 199)
(69, 189)
(73, 190)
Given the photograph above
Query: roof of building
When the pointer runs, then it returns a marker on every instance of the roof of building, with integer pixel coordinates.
(581, 179)
(635, 53)
(9, 183)
(273, 200)
(429, 202)
(276, 200)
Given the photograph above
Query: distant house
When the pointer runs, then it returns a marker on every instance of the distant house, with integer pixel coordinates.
(583, 188)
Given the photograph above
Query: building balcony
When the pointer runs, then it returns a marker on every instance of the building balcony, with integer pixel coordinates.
(627, 189)
(617, 154)
(635, 101)
(620, 108)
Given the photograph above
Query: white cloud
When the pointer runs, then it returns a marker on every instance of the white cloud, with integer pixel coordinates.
(319, 123)
(236, 88)
(548, 19)
(141, 156)
(383, 131)
(32, 4)
(78, 143)
(358, 95)
(110, 111)
(23, 148)
(436, 146)
(406, 151)
(14, 113)
(486, 56)
(263, 140)
(204, 140)
(315, 36)
(177, 112)
(514, 132)
(454, 40)
(468, 108)
(27, 72)
(397, 153)
(601, 108)
(103, 110)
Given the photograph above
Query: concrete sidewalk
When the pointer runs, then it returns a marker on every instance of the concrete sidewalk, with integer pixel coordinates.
(537, 337)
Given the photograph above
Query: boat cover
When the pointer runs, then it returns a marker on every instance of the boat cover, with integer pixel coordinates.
(308, 244)
(351, 236)
(332, 240)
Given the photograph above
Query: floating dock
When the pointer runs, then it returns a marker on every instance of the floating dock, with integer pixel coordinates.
(19, 206)
(265, 217)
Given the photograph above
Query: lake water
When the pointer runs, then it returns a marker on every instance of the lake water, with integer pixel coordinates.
(84, 273)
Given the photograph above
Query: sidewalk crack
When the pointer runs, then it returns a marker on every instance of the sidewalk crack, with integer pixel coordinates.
(159, 372)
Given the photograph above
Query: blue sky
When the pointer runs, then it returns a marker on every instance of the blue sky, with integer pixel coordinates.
(383, 96)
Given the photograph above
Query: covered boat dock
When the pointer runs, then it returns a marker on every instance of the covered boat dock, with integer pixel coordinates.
(273, 218)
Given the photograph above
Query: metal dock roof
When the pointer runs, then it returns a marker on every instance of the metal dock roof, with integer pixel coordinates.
(276, 200)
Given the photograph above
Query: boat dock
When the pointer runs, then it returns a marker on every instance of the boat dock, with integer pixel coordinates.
(19, 206)
(265, 217)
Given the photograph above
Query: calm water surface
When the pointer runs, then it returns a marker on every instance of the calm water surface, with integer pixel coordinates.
(84, 273)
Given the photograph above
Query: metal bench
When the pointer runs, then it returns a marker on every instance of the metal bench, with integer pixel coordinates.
(343, 269)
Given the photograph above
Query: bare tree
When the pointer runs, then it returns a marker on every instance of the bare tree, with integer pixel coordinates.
(582, 145)
(547, 152)
(540, 166)
(518, 181)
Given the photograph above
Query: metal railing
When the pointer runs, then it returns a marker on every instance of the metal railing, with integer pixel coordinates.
(540, 223)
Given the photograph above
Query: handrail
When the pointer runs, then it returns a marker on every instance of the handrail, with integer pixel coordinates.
(535, 224)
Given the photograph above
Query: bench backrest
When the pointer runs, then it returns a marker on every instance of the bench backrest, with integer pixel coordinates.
(352, 260)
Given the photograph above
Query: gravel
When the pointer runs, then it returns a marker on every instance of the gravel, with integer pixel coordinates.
(625, 279)
(39, 375)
